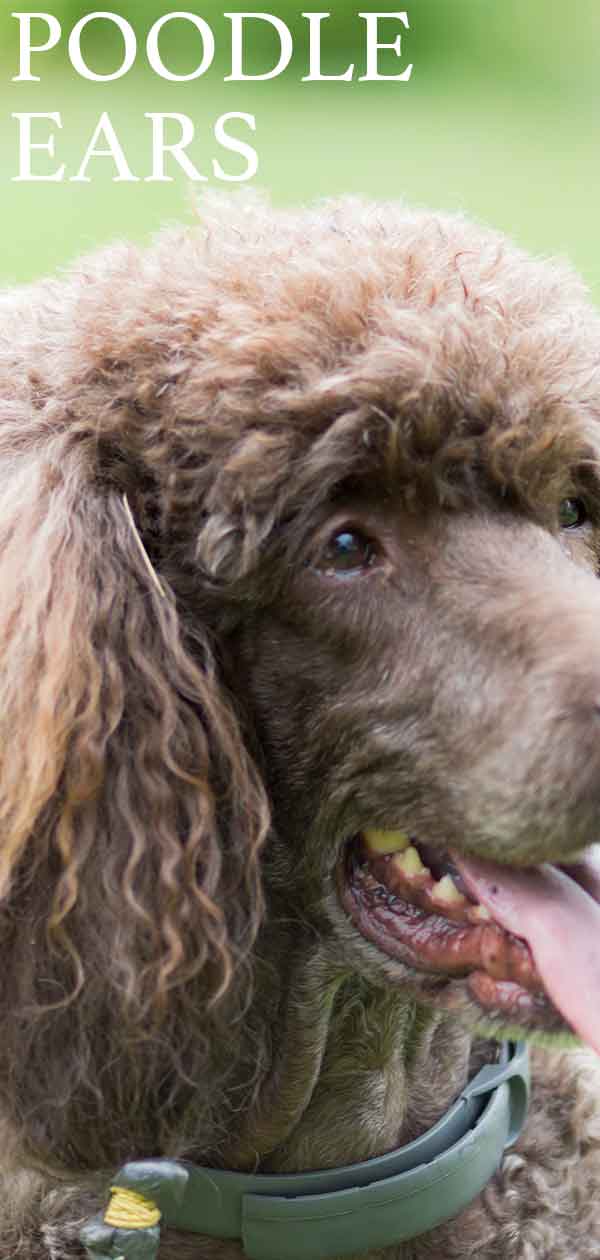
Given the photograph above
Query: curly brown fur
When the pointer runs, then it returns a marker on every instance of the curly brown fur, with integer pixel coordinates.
(183, 755)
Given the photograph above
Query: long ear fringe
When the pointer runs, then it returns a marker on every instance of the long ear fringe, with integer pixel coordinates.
(129, 809)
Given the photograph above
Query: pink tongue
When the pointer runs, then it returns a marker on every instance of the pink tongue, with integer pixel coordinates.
(560, 922)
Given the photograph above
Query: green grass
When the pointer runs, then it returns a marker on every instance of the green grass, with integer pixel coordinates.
(518, 154)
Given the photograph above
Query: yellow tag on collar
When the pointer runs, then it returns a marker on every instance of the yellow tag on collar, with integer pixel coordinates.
(129, 1210)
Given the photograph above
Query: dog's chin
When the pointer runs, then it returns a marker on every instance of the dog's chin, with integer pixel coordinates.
(419, 910)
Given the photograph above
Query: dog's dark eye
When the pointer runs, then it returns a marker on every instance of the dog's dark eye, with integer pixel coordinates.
(348, 553)
(571, 513)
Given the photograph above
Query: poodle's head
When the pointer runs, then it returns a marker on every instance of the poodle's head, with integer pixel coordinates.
(298, 538)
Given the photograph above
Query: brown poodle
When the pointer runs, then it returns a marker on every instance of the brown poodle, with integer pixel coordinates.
(300, 717)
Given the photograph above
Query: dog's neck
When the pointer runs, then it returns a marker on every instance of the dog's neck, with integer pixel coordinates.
(359, 1070)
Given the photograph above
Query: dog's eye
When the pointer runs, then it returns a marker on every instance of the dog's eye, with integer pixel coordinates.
(349, 553)
(571, 513)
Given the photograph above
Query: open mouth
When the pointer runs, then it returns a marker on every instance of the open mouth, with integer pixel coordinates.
(524, 942)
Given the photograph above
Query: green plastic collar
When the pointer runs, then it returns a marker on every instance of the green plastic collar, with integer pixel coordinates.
(340, 1211)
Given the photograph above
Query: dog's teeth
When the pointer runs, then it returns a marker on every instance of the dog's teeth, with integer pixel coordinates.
(409, 862)
(385, 841)
(479, 913)
(446, 890)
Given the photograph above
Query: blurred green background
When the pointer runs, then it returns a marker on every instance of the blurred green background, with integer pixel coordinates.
(500, 119)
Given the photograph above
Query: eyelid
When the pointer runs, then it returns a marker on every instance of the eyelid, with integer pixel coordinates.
(343, 524)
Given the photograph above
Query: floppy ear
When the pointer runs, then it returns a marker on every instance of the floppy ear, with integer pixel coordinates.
(131, 818)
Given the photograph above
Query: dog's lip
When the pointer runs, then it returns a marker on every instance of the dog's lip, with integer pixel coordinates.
(556, 911)
(411, 930)
(523, 966)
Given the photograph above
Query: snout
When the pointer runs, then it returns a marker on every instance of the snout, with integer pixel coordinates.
(518, 708)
